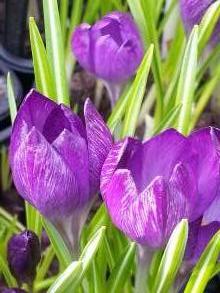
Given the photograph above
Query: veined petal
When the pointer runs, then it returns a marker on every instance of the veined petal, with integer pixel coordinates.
(193, 10)
(157, 157)
(140, 216)
(75, 122)
(181, 196)
(118, 157)
(55, 123)
(43, 178)
(99, 143)
(33, 112)
(73, 150)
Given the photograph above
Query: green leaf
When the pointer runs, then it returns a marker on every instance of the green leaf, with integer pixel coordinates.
(205, 98)
(149, 10)
(172, 258)
(11, 98)
(139, 17)
(66, 280)
(91, 10)
(208, 24)
(76, 15)
(42, 72)
(168, 120)
(205, 266)
(64, 5)
(88, 254)
(58, 244)
(136, 94)
(119, 109)
(186, 85)
(122, 270)
(10, 280)
(55, 49)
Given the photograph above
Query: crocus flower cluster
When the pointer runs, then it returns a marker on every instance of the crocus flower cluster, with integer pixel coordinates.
(58, 162)
(149, 187)
(23, 256)
(111, 49)
(192, 12)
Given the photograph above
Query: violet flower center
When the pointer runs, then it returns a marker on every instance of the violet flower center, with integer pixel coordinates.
(113, 29)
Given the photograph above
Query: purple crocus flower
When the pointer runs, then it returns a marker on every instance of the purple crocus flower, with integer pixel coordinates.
(111, 49)
(23, 256)
(55, 158)
(149, 187)
(192, 12)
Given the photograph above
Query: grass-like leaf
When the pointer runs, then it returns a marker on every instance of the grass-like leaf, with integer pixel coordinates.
(11, 98)
(55, 49)
(186, 85)
(205, 267)
(122, 270)
(67, 278)
(136, 94)
(58, 244)
(172, 258)
(42, 71)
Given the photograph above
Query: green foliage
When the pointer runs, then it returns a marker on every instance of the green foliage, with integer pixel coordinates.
(169, 90)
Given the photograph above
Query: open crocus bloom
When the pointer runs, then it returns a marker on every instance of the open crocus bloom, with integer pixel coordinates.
(192, 12)
(149, 187)
(55, 158)
(111, 49)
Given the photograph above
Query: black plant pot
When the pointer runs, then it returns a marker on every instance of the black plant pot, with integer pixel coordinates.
(15, 47)
(5, 121)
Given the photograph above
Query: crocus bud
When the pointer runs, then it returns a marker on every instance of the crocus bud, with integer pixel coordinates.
(56, 158)
(23, 256)
(111, 49)
(192, 12)
(149, 187)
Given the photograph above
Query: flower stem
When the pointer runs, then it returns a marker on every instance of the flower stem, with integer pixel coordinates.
(114, 91)
(143, 263)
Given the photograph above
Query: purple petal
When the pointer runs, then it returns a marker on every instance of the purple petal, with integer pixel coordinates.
(81, 46)
(150, 217)
(111, 49)
(192, 12)
(118, 157)
(75, 122)
(43, 178)
(212, 214)
(73, 150)
(199, 237)
(181, 196)
(138, 216)
(55, 123)
(157, 157)
(33, 112)
(204, 143)
(99, 143)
